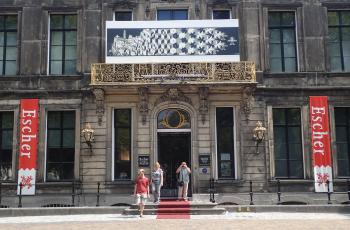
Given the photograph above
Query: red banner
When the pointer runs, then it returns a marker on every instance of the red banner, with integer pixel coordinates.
(321, 151)
(28, 144)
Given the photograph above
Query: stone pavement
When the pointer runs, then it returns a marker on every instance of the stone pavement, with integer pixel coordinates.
(284, 221)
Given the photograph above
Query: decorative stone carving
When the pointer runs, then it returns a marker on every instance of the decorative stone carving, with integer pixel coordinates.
(99, 101)
(203, 102)
(107, 74)
(173, 95)
(143, 107)
(246, 103)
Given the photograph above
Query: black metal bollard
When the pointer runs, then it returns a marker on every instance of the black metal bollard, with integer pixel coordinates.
(278, 192)
(98, 194)
(73, 193)
(211, 190)
(20, 195)
(251, 192)
(348, 182)
(328, 193)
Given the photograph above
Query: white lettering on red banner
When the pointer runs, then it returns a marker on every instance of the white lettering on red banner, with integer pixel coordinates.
(28, 144)
(321, 151)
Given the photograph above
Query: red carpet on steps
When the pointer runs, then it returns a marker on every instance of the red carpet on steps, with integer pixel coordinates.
(173, 209)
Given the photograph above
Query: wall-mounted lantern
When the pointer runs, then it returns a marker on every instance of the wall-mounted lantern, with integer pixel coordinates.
(258, 134)
(88, 134)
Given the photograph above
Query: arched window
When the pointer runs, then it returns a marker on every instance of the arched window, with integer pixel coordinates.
(173, 118)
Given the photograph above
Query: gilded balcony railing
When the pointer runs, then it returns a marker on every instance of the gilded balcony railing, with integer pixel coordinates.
(114, 74)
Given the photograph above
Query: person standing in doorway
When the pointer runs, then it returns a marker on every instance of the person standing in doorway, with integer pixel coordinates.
(141, 190)
(157, 182)
(183, 172)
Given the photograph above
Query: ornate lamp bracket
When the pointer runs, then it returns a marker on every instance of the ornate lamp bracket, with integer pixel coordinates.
(143, 107)
(203, 102)
(246, 103)
(99, 100)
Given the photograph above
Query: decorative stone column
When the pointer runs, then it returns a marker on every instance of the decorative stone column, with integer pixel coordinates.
(203, 102)
(99, 101)
(143, 107)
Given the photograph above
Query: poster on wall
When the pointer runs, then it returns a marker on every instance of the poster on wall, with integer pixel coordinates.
(320, 139)
(28, 143)
(172, 41)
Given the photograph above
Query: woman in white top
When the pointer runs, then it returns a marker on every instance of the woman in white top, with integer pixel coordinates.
(157, 182)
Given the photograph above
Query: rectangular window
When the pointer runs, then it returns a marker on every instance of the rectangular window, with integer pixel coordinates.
(8, 45)
(123, 16)
(63, 44)
(283, 54)
(60, 145)
(287, 143)
(6, 141)
(339, 40)
(221, 14)
(122, 144)
(342, 129)
(225, 142)
(172, 15)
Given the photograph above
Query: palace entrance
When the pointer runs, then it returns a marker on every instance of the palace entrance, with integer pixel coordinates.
(173, 148)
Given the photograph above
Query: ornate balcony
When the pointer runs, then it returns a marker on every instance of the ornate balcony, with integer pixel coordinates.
(192, 73)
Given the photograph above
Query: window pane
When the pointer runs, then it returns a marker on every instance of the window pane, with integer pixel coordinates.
(343, 168)
(345, 17)
(70, 67)
(163, 15)
(279, 116)
(342, 150)
(56, 67)
(221, 14)
(123, 141)
(7, 120)
(341, 133)
(336, 64)
(56, 22)
(281, 168)
(346, 34)
(224, 116)
(123, 16)
(334, 49)
(11, 39)
(56, 53)
(288, 19)
(71, 38)
(56, 38)
(333, 18)
(70, 52)
(2, 39)
(69, 119)
(11, 22)
(290, 65)
(11, 53)
(226, 169)
(122, 117)
(10, 67)
(1, 64)
(346, 49)
(2, 19)
(54, 138)
(346, 63)
(333, 34)
(294, 134)
(340, 116)
(54, 120)
(274, 19)
(289, 50)
(180, 15)
(288, 36)
(296, 169)
(275, 36)
(276, 65)
(6, 139)
(275, 51)
(68, 138)
(122, 170)
(70, 22)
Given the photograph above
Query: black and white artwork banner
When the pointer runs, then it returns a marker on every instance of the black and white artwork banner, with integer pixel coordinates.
(126, 43)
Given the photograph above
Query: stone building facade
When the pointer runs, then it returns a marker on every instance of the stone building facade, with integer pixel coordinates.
(289, 50)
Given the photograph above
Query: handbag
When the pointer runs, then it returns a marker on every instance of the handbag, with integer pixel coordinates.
(180, 183)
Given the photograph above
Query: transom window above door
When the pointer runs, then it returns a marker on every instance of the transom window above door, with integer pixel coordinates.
(173, 118)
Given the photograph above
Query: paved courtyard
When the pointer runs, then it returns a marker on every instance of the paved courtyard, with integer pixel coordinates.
(280, 221)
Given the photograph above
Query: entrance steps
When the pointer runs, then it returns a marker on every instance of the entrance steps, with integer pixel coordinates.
(174, 207)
